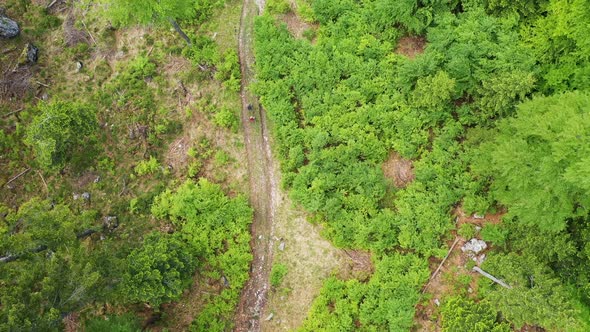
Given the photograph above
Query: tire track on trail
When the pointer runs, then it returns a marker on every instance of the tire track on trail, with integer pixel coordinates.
(263, 180)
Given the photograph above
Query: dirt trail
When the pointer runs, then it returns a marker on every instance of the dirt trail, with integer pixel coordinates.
(264, 192)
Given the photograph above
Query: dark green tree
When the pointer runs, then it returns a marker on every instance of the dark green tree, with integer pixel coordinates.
(540, 161)
(464, 315)
(45, 270)
(159, 270)
(58, 130)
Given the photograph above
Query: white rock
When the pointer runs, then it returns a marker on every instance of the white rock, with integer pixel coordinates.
(478, 216)
(474, 246)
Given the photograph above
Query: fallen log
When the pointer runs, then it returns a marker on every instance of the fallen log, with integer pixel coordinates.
(491, 277)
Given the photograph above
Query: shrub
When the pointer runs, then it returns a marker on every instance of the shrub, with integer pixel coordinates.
(277, 274)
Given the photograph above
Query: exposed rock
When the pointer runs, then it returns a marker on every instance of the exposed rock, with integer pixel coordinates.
(474, 246)
(97, 179)
(86, 196)
(8, 27)
(282, 246)
(269, 317)
(479, 259)
(478, 216)
(110, 222)
(76, 196)
(224, 281)
(477, 229)
(437, 302)
(79, 66)
(32, 53)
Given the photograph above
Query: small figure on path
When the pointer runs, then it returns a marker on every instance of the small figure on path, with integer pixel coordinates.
(251, 119)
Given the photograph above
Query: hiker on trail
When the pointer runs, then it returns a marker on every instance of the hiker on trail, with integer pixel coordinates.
(251, 119)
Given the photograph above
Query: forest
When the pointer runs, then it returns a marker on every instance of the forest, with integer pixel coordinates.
(446, 142)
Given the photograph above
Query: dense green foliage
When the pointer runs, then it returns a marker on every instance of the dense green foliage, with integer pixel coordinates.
(460, 314)
(159, 270)
(469, 112)
(58, 130)
(384, 303)
(490, 105)
(217, 228)
(539, 161)
(52, 271)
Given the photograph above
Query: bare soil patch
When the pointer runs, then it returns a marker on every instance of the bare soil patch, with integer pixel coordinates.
(358, 265)
(445, 282)
(310, 259)
(399, 170)
(411, 46)
(295, 25)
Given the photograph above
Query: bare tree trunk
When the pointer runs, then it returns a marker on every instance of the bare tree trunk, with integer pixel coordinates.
(179, 30)
(11, 258)
(491, 277)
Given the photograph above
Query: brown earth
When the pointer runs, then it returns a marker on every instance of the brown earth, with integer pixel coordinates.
(411, 46)
(399, 170)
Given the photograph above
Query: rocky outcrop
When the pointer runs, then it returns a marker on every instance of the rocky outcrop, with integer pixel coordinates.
(8, 27)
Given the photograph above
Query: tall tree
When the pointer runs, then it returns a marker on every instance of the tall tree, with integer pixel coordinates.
(540, 161)
(50, 273)
(58, 130)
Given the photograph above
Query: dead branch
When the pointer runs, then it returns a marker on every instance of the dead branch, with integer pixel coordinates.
(491, 277)
(89, 33)
(17, 176)
(51, 4)
(13, 112)
(43, 84)
(8, 50)
(440, 265)
(44, 183)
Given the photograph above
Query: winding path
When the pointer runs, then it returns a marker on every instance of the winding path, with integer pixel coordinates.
(265, 196)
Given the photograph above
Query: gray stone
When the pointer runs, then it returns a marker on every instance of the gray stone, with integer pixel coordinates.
(282, 246)
(474, 246)
(79, 66)
(224, 281)
(110, 222)
(86, 196)
(8, 27)
(32, 53)
(76, 196)
(478, 216)
(437, 302)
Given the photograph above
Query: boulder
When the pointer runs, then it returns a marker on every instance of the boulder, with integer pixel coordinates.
(474, 246)
(282, 246)
(32, 53)
(8, 27)
(29, 55)
(86, 196)
(110, 222)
